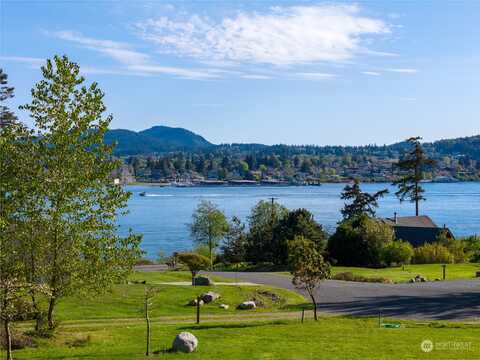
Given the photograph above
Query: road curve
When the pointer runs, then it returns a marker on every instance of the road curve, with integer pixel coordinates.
(439, 300)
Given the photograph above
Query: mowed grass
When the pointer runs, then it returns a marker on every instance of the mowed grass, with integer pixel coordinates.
(329, 338)
(403, 274)
(127, 301)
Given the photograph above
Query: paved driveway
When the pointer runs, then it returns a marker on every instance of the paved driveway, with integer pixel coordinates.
(440, 300)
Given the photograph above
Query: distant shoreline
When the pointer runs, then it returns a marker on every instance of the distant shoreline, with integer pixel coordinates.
(259, 184)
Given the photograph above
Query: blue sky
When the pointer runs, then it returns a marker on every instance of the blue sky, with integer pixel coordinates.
(263, 71)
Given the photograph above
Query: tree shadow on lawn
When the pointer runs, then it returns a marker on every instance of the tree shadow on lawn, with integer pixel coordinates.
(233, 326)
(455, 306)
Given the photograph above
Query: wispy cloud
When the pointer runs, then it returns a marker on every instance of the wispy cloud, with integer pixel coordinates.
(180, 72)
(119, 51)
(255, 77)
(316, 75)
(133, 62)
(404, 70)
(281, 36)
(32, 61)
(371, 73)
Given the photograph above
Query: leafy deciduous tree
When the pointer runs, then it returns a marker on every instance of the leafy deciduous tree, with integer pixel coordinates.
(209, 226)
(80, 246)
(308, 267)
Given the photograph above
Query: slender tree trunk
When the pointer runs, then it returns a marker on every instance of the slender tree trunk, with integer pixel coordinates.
(314, 303)
(51, 306)
(147, 319)
(210, 248)
(8, 339)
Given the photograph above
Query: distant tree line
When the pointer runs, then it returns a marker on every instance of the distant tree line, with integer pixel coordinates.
(360, 239)
(301, 164)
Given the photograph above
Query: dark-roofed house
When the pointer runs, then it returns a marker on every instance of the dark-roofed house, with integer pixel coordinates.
(417, 230)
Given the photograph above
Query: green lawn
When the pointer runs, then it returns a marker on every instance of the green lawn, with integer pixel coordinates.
(430, 271)
(399, 274)
(126, 301)
(329, 338)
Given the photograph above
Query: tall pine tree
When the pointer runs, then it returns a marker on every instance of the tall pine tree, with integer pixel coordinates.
(412, 167)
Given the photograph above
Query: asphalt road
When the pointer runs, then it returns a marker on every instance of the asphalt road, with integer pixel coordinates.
(439, 300)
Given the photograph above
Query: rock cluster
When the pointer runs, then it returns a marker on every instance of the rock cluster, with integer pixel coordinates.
(417, 278)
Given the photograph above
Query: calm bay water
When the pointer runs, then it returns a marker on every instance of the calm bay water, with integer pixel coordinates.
(163, 214)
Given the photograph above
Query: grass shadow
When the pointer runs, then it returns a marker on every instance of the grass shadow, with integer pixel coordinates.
(233, 326)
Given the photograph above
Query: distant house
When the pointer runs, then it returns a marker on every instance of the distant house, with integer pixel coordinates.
(417, 230)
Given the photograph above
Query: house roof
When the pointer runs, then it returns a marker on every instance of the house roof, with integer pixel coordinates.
(417, 230)
(422, 221)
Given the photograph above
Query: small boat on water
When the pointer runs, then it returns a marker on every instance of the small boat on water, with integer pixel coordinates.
(143, 193)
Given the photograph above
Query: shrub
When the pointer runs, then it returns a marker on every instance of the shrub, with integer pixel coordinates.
(144, 261)
(432, 254)
(397, 253)
(458, 248)
(360, 242)
(348, 276)
(472, 244)
(194, 262)
(19, 341)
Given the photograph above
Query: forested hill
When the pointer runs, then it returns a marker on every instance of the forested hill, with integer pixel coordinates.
(164, 139)
(174, 154)
(158, 139)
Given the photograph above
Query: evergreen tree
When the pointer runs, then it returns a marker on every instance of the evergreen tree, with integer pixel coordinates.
(361, 202)
(413, 165)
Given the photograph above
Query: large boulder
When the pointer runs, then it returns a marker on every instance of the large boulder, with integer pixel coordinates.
(210, 296)
(185, 342)
(202, 281)
(247, 305)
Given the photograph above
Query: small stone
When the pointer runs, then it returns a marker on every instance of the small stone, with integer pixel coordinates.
(224, 306)
(247, 305)
(185, 342)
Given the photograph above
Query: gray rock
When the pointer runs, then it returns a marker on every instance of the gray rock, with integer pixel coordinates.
(224, 306)
(194, 302)
(202, 281)
(185, 342)
(210, 296)
(247, 305)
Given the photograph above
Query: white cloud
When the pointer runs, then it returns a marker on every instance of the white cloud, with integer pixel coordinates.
(405, 71)
(180, 72)
(316, 75)
(256, 77)
(118, 51)
(371, 73)
(283, 36)
(32, 61)
(133, 62)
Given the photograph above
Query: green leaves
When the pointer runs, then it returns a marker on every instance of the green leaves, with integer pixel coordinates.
(70, 198)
